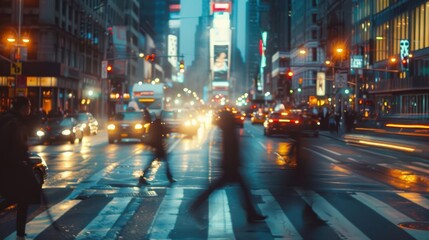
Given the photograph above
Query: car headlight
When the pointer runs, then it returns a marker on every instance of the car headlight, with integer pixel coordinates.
(138, 126)
(66, 132)
(111, 127)
(40, 133)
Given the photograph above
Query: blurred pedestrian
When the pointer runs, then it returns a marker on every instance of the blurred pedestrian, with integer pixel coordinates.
(146, 115)
(17, 182)
(156, 135)
(231, 169)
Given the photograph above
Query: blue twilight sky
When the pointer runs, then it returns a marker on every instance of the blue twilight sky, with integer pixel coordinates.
(189, 13)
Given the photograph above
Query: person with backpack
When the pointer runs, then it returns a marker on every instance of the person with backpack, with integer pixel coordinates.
(17, 182)
(156, 134)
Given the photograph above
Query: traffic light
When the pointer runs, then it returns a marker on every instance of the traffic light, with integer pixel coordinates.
(182, 66)
(289, 74)
(109, 68)
(151, 57)
(405, 63)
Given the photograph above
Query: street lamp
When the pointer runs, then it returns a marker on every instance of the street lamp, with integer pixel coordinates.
(18, 41)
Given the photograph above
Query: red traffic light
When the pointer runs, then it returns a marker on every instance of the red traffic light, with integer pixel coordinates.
(289, 74)
(405, 62)
(109, 68)
(151, 57)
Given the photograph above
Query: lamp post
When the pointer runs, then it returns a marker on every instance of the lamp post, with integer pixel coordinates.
(18, 41)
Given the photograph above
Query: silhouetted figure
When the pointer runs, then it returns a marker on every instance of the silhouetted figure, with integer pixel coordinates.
(156, 136)
(146, 115)
(231, 172)
(15, 182)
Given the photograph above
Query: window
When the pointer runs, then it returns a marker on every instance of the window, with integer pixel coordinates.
(314, 54)
(313, 34)
(314, 18)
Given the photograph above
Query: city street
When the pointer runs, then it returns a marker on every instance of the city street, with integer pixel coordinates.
(334, 191)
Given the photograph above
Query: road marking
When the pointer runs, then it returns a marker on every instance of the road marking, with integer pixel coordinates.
(376, 153)
(100, 225)
(415, 198)
(322, 155)
(328, 213)
(352, 159)
(278, 223)
(43, 221)
(421, 164)
(389, 213)
(417, 168)
(220, 224)
(262, 145)
(333, 152)
(166, 216)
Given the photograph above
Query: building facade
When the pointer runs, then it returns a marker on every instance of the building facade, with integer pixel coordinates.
(392, 38)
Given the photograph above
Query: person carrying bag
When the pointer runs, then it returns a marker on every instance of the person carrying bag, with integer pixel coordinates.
(17, 181)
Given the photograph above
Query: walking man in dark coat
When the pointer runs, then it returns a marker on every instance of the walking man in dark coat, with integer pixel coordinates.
(15, 184)
(156, 134)
(231, 172)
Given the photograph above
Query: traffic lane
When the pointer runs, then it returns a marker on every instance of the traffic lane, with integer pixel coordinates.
(399, 170)
(326, 162)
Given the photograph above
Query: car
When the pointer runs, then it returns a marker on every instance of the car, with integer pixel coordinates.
(39, 166)
(60, 130)
(239, 117)
(88, 121)
(180, 121)
(127, 124)
(258, 117)
(290, 122)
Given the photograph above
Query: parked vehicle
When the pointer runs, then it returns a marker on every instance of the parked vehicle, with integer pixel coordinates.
(39, 166)
(60, 130)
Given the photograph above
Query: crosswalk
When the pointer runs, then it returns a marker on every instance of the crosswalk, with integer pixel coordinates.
(332, 215)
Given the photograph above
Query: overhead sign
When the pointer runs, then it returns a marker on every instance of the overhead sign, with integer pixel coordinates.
(404, 47)
(16, 68)
(340, 80)
(104, 69)
(320, 82)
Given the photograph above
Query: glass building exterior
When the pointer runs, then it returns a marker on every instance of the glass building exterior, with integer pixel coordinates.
(392, 39)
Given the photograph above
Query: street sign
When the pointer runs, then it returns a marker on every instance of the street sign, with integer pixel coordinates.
(104, 69)
(16, 68)
(340, 80)
(320, 82)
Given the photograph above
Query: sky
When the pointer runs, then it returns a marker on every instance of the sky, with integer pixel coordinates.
(189, 13)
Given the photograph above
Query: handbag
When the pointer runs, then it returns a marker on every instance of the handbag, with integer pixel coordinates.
(20, 185)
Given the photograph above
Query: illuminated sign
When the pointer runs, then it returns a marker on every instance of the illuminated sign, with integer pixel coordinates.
(221, 7)
(220, 63)
(174, 7)
(143, 93)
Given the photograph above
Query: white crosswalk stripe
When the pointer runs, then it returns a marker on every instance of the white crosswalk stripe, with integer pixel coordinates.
(166, 217)
(100, 225)
(42, 221)
(220, 221)
(280, 225)
(389, 213)
(220, 225)
(331, 215)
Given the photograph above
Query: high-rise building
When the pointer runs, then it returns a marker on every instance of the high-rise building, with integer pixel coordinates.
(61, 65)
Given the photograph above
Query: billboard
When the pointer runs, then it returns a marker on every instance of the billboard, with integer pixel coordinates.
(220, 63)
